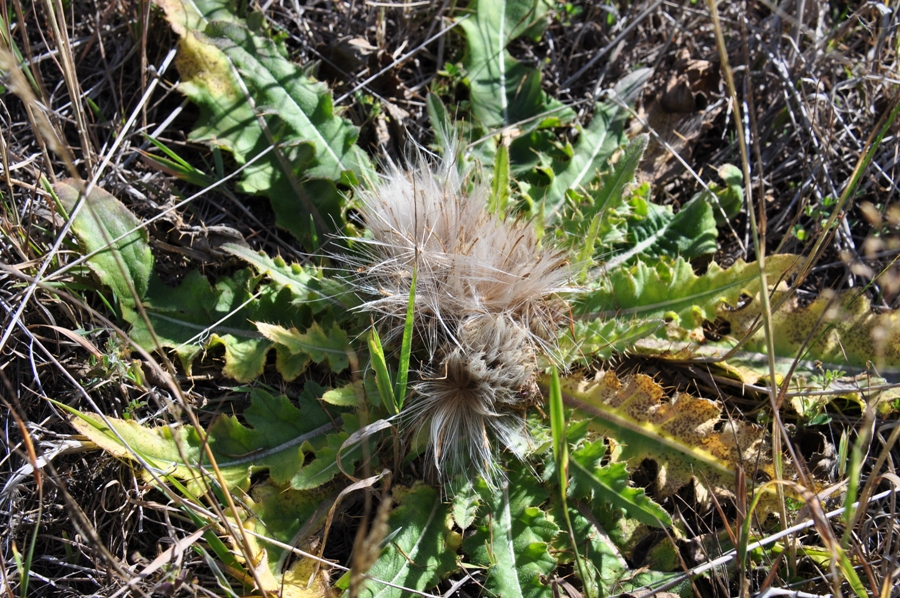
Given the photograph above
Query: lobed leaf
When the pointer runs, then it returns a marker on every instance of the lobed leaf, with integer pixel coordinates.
(610, 484)
(313, 345)
(601, 338)
(279, 514)
(245, 317)
(682, 436)
(307, 284)
(671, 290)
(655, 231)
(276, 439)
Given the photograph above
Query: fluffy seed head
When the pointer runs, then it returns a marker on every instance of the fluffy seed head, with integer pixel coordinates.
(484, 308)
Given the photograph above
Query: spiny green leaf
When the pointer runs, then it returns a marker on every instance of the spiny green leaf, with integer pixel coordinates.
(611, 192)
(654, 231)
(596, 217)
(512, 537)
(308, 284)
(601, 338)
(671, 290)
(421, 549)
(118, 263)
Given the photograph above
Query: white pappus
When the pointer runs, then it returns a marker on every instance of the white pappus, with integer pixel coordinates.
(486, 307)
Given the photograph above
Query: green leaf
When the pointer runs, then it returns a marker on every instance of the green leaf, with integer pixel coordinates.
(500, 183)
(611, 193)
(421, 546)
(195, 316)
(324, 467)
(278, 435)
(609, 570)
(512, 537)
(297, 109)
(350, 395)
(382, 377)
(464, 507)
(561, 461)
(279, 513)
(297, 113)
(654, 231)
(119, 263)
(671, 291)
(730, 198)
(504, 91)
(314, 344)
(602, 338)
(599, 216)
(406, 345)
(558, 426)
(307, 284)
(609, 484)
(595, 146)
(176, 165)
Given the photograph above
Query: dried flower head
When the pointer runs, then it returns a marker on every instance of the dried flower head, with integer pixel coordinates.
(485, 308)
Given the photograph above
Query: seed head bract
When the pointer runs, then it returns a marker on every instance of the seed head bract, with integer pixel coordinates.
(485, 309)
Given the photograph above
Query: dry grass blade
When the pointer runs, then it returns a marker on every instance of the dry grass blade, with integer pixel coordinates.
(802, 96)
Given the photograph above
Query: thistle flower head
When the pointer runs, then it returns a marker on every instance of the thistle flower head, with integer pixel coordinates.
(484, 307)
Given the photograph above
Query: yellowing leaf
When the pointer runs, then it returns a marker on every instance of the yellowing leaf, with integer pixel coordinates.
(279, 513)
(671, 290)
(680, 436)
(277, 439)
(105, 227)
(843, 330)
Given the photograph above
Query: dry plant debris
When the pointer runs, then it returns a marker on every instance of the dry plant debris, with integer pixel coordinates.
(184, 185)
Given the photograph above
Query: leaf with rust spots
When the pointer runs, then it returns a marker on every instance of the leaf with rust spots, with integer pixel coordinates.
(842, 330)
(681, 436)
